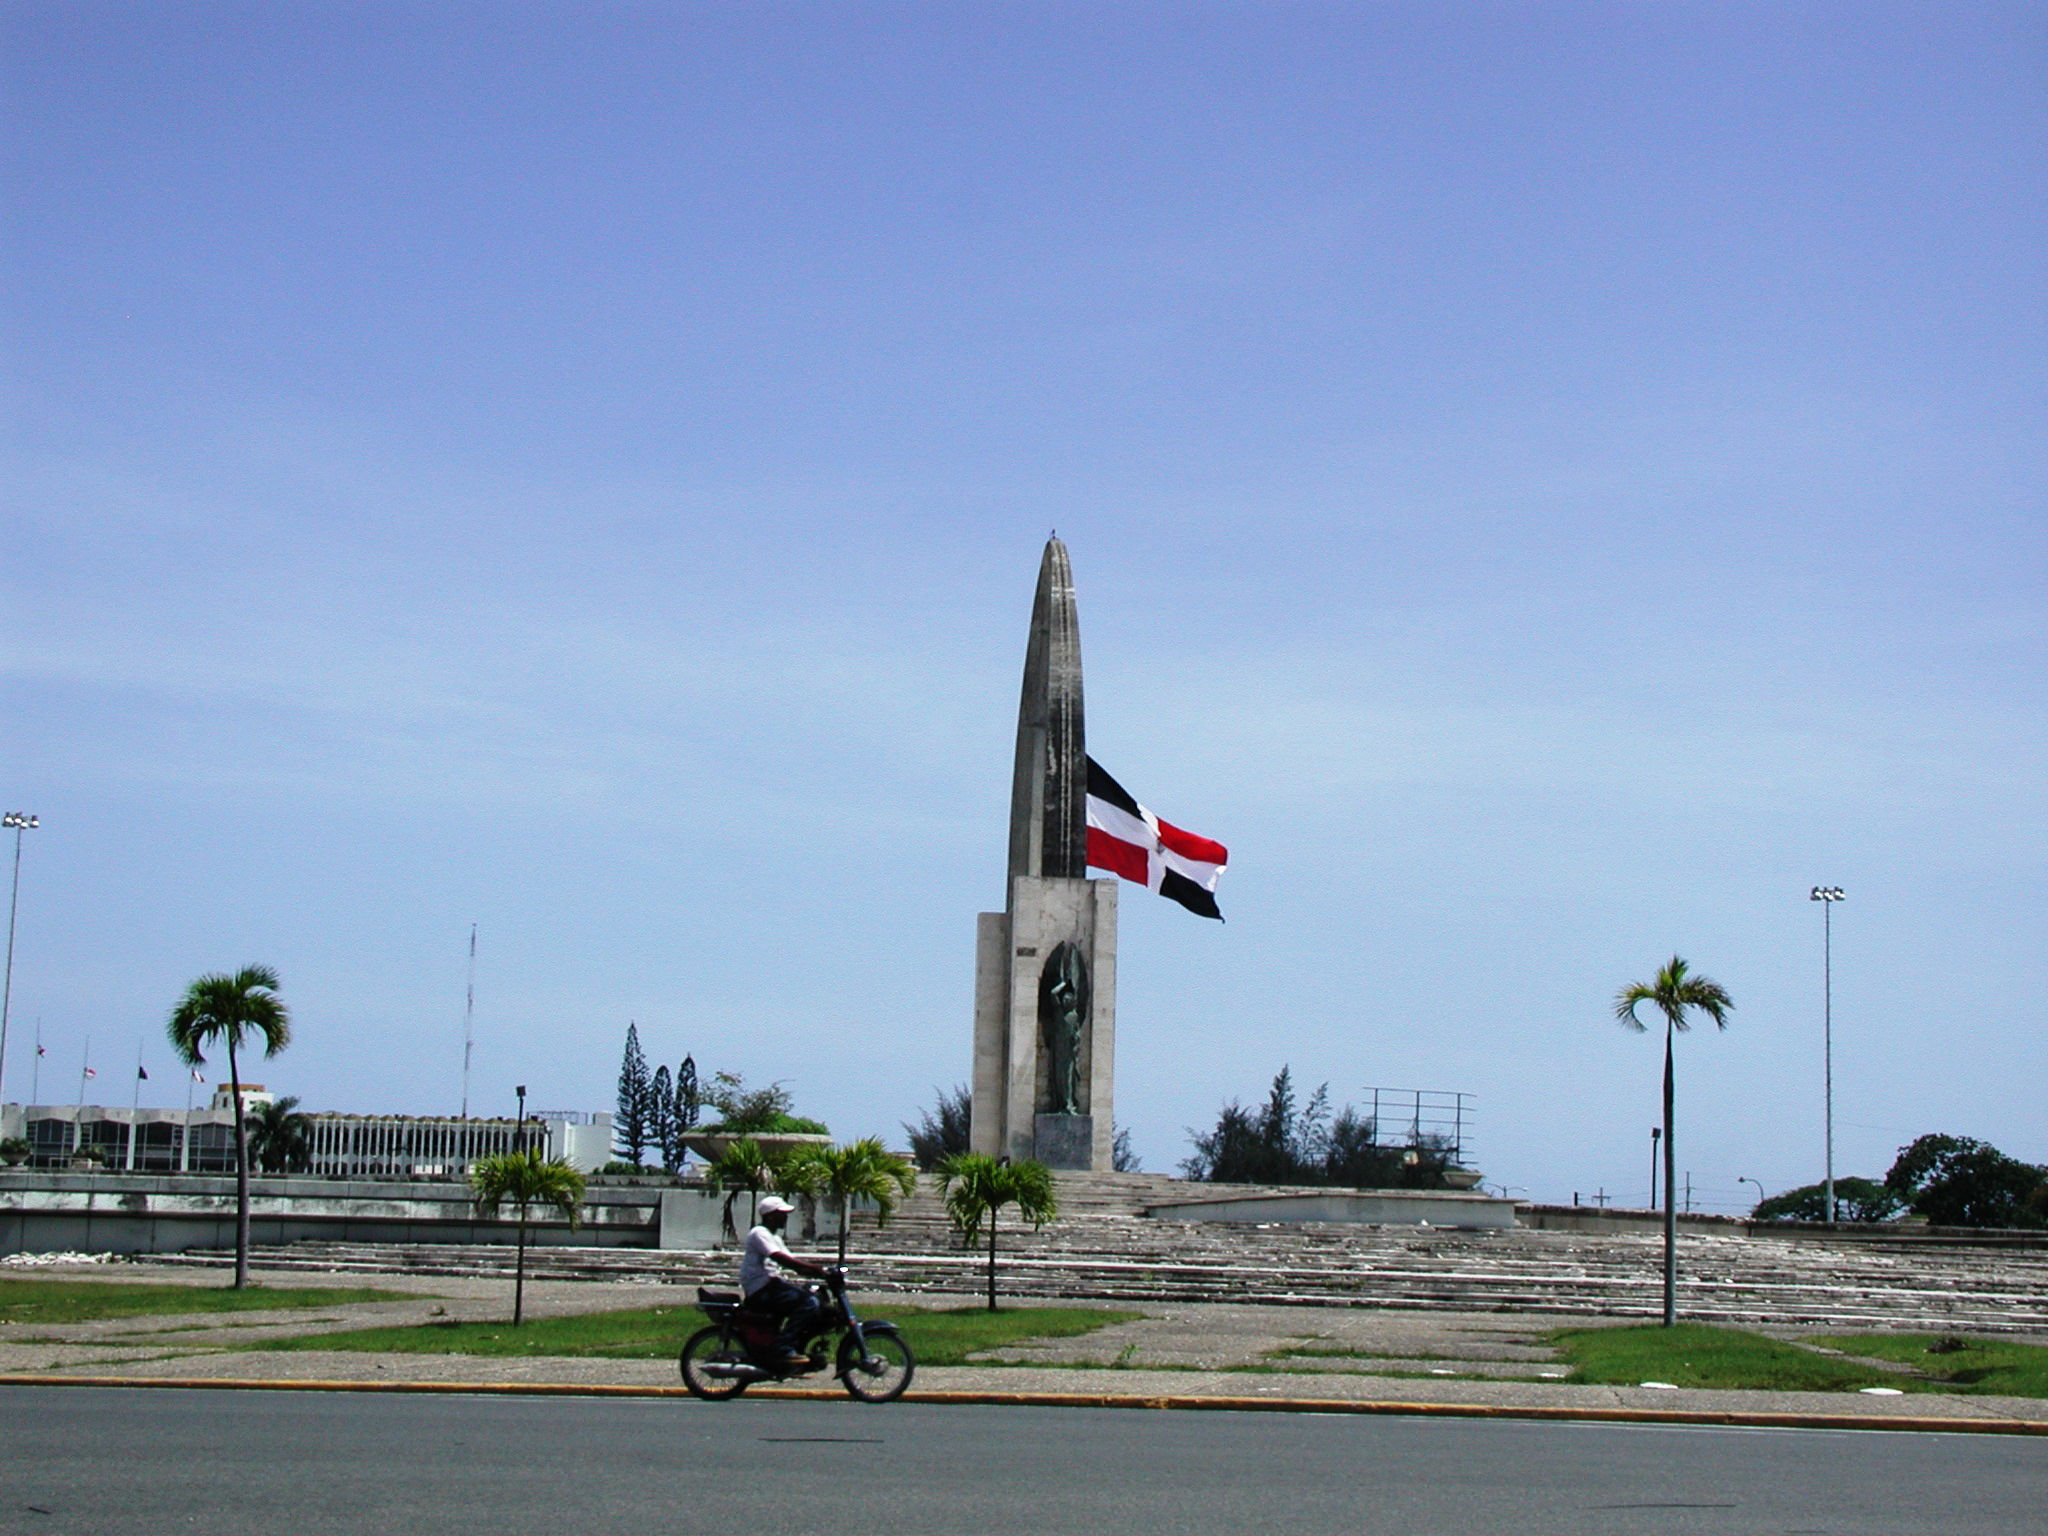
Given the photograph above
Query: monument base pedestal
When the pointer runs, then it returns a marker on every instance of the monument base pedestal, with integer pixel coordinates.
(1064, 1141)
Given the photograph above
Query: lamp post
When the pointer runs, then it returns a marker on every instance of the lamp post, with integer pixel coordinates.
(1827, 896)
(1759, 1189)
(1656, 1135)
(519, 1134)
(19, 822)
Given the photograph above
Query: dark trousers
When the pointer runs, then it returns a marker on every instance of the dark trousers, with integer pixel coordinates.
(796, 1305)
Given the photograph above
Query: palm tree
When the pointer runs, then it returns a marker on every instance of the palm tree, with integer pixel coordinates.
(280, 1140)
(741, 1166)
(525, 1179)
(228, 1009)
(862, 1170)
(977, 1186)
(1674, 993)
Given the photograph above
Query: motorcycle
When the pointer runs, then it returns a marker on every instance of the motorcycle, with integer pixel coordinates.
(741, 1346)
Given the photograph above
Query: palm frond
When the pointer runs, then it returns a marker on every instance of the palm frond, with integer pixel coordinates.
(524, 1180)
(1676, 993)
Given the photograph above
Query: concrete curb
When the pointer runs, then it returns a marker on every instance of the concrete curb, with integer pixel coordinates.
(1737, 1419)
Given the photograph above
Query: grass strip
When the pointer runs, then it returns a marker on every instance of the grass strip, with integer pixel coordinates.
(1958, 1364)
(86, 1301)
(945, 1336)
(1694, 1355)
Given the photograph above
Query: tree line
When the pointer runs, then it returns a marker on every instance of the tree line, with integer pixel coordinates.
(1951, 1181)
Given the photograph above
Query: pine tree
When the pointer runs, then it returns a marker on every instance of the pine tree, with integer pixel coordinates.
(689, 1103)
(661, 1118)
(630, 1129)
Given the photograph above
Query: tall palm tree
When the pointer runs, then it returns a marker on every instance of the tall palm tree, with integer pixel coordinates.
(977, 1186)
(229, 1010)
(1675, 993)
(861, 1170)
(280, 1139)
(525, 1179)
(741, 1166)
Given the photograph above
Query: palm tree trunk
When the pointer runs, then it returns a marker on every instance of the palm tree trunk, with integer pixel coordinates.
(992, 1258)
(241, 1169)
(1670, 1191)
(519, 1272)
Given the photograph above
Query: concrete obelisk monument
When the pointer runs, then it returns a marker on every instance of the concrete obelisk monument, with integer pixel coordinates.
(1045, 968)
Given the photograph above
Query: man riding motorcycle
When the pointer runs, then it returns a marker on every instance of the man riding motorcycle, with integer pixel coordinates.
(766, 1291)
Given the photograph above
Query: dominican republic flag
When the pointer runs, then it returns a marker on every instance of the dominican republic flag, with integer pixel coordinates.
(91, 1072)
(141, 1076)
(1128, 840)
(198, 1076)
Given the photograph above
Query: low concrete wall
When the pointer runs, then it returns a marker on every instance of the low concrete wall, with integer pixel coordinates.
(1385, 1207)
(48, 1212)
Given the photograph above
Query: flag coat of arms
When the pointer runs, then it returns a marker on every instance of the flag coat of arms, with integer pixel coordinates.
(1129, 841)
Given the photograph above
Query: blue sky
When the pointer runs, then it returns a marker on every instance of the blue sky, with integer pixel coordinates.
(1546, 484)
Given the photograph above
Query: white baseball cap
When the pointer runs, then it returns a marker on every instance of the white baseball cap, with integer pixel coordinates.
(775, 1205)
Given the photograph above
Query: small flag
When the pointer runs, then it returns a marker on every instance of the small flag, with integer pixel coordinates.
(1128, 840)
(92, 1072)
(198, 1076)
(141, 1075)
(40, 1051)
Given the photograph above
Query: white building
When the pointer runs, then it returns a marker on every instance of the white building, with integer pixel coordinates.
(341, 1146)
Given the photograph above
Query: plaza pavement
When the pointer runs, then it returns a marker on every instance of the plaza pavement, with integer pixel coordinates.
(1179, 1354)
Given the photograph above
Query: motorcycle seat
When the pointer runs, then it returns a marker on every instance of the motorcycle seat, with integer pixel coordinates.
(718, 1298)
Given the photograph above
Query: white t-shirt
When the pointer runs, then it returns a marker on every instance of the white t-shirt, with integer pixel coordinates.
(754, 1269)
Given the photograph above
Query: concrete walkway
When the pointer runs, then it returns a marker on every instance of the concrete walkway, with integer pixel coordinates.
(1178, 1353)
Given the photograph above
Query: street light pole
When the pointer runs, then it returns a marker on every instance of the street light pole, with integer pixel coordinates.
(1656, 1135)
(1740, 1179)
(1827, 896)
(19, 822)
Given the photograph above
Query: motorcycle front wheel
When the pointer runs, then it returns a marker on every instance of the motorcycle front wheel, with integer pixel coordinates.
(883, 1375)
(710, 1346)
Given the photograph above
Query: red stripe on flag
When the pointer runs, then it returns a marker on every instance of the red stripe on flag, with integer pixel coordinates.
(1191, 846)
(1117, 856)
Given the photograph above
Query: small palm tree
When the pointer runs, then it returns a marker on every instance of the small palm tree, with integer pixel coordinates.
(229, 1010)
(1675, 993)
(525, 1180)
(741, 1167)
(281, 1140)
(862, 1170)
(977, 1186)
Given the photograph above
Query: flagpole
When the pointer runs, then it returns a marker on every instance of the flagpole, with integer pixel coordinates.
(136, 1106)
(35, 1076)
(78, 1115)
(185, 1136)
(468, 1020)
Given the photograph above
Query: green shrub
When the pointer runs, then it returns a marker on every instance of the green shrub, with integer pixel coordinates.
(1955, 1181)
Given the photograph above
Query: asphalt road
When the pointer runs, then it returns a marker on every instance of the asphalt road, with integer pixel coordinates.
(102, 1461)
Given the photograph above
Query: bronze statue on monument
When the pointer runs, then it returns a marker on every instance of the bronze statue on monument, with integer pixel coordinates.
(1063, 1015)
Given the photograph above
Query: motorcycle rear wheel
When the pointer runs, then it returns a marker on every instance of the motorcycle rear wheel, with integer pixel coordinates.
(885, 1373)
(710, 1346)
